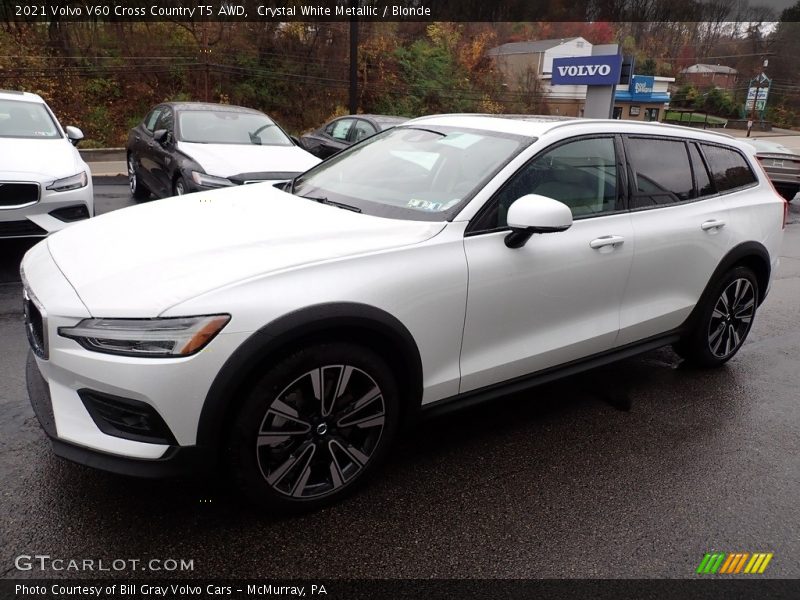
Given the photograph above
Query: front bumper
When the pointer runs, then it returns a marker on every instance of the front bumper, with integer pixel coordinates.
(62, 374)
(36, 219)
(176, 460)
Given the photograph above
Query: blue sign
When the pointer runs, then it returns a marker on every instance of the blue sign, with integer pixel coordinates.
(641, 87)
(587, 70)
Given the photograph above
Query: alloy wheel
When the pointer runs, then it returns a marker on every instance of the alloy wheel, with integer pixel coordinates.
(179, 189)
(131, 175)
(731, 318)
(321, 431)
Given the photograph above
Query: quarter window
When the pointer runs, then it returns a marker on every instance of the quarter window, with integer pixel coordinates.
(729, 169)
(661, 172)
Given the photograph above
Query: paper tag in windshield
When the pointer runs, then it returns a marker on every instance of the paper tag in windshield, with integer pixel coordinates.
(460, 140)
(424, 204)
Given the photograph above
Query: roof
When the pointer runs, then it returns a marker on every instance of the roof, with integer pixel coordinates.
(209, 106)
(532, 47)
(539, 125)
(702, 68)
(17, 95)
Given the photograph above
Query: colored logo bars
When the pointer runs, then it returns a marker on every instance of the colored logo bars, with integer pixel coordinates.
(720, 563)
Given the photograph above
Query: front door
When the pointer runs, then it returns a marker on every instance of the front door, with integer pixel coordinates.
(557, 298)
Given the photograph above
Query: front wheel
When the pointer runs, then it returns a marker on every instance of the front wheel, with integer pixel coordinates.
(180, 188)
(314, 427)
(724, 320)
(138, 190)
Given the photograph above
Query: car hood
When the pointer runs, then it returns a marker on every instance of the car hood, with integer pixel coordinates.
(225, 160)
(41, 160)
(142, 260)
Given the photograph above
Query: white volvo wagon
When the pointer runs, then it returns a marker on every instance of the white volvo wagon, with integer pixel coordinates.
(284, 335)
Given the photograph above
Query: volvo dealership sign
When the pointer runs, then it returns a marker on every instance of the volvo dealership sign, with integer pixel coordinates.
(587, 70)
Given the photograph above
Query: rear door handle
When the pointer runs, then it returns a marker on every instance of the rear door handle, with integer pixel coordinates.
(713, 224)
(607, 240)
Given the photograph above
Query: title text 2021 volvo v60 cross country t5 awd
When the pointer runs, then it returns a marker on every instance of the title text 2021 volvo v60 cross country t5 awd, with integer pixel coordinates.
(285, 334)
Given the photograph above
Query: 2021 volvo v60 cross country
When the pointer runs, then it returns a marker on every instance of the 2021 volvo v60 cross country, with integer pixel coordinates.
(284, 334)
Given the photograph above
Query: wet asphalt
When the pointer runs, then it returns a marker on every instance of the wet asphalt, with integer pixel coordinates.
(632, 470)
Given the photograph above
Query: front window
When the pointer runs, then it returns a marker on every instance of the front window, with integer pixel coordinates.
(228, 127)
(420, 172)
(26, 120)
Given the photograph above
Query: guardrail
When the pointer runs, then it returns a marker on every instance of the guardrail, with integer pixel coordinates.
(102, 154)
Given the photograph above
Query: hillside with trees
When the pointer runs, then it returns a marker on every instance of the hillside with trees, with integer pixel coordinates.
(103, 76)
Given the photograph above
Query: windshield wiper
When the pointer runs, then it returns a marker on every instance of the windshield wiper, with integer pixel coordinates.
(427, 130)
(332, 203)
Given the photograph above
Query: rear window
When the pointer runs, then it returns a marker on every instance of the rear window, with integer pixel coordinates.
(661, 171)
(729, 169)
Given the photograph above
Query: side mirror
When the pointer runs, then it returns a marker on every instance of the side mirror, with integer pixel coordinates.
(536, 214)
(162, 136)
(296, 140)
(74, 135)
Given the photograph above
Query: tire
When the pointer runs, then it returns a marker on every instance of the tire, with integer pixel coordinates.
(288, 450)
(138, 189)
(179, 187)
(724, 320)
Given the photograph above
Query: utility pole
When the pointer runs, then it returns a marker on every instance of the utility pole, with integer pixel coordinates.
(353, 64)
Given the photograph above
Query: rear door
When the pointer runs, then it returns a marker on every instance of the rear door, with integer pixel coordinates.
(680, 225)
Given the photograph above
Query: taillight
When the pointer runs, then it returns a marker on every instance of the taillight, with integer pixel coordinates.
(772, 185)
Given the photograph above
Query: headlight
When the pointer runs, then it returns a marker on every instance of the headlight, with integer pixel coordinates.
(73, 182)
(210, 180)
(168, 337)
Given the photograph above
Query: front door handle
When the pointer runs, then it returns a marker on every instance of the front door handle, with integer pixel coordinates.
(607, 240)
(713, 224)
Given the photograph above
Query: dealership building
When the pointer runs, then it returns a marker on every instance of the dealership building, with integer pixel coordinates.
(527, 67)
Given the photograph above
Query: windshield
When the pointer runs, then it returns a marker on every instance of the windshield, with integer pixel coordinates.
(416, 172)
(227, 127)
(26, 120)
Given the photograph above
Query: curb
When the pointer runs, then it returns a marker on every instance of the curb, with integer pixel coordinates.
(91, 155)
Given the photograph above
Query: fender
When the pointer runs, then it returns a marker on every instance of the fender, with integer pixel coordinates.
(268, 342)
(737, 255)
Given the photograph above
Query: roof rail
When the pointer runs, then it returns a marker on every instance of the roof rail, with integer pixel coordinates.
(640, 123)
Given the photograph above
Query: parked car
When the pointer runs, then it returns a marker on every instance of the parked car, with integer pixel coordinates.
(44, 184)
(781, 164)
(341, 133)
(450, 260)
(183, 147)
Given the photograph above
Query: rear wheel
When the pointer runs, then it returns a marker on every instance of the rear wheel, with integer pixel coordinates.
(314, 427)
(724, 321)
(138, 190)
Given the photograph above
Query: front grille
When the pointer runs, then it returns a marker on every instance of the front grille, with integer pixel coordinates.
(20, 228)
(34, 325)
(17, 194)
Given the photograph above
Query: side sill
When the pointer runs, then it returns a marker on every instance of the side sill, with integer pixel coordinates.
(518, 384)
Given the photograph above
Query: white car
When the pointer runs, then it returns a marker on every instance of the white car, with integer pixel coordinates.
(44, 184)
(285, 335)
(184, 147)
